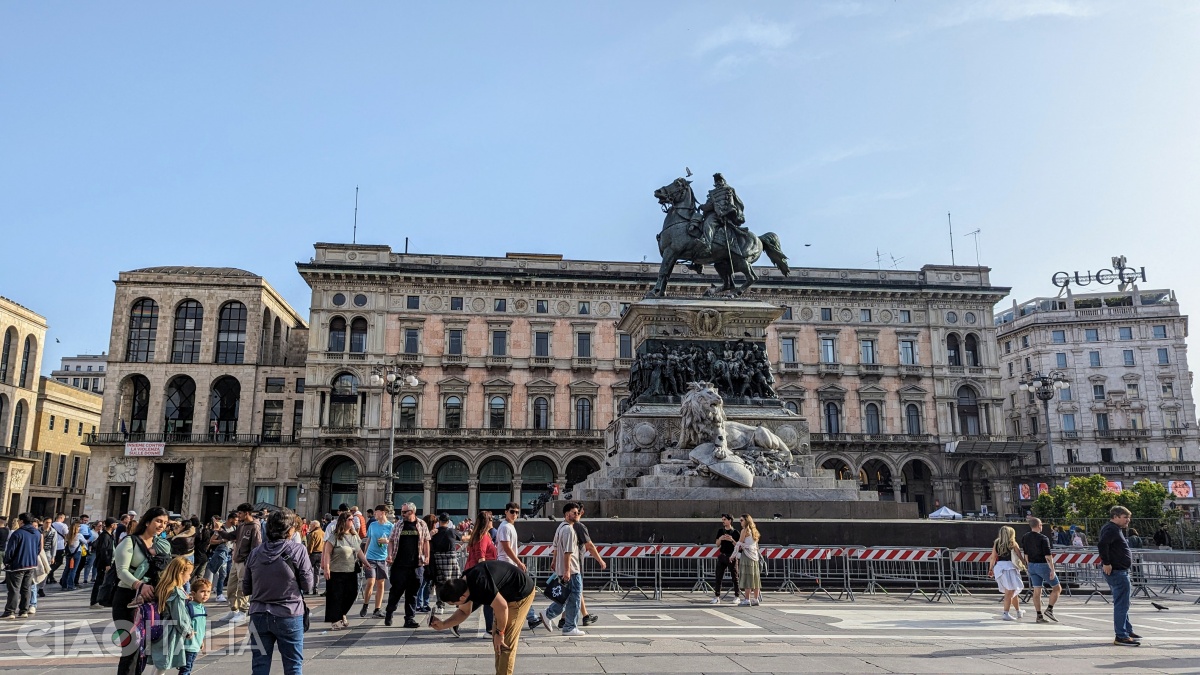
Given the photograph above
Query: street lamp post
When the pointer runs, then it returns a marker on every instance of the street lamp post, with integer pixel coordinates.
(392, 378)
(1044, 387)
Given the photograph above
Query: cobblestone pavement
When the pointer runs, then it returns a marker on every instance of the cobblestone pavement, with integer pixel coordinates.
(684, 634)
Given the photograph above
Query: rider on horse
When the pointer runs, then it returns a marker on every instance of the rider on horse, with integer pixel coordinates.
(723, 209)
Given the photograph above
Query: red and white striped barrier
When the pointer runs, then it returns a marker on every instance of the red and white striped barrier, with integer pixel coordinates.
(970, 556)
(800, 553)
(898, 554)
(707, 551)
(535, 550)
(1077, 558)
(625, 551)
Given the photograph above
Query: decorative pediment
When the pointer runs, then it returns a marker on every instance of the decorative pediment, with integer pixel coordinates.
(912, 393)
(584, 388)
(831, 392)
(1131, 377)
(1097, 379)
(791, 390)
(453, 385)
(872, 392)
(497, 385)
(541, 386)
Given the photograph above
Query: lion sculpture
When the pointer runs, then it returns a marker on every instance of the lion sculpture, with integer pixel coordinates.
(719, 445)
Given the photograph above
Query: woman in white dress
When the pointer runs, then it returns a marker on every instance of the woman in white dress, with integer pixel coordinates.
(1006, 563)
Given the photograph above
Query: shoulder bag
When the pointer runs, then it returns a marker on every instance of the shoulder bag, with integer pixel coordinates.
(555, 590)
(296, 576)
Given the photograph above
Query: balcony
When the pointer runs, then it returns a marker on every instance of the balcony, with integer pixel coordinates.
(335, 356)
(412, 359)
(1175, 431)
(404, 434)
(1069, 435)
(911, 370)
(356, 356)
(543, 362)
(789, 367)
(623, 364)
(18, 452)
(956, 370)
(1123, 434)
(583, 363)
(173, 439)
(340, 431)
(494, 361)
(870, 369)
(454, 361)
(873, 438)
(830, 369)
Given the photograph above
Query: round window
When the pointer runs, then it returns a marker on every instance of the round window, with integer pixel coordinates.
(951, 317)
(360, 300)
(339, 299)
(970, 317)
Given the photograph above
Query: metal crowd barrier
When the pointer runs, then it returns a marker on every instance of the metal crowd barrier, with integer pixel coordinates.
(681, 564)
(1171, 571)
(969, 565)
(920, 567)
(1080, 569)
(806, 564)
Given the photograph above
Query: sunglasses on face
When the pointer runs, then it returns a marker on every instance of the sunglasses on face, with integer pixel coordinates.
(513, 511)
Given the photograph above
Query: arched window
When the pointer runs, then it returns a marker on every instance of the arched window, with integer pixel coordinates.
(223, 410)
(972, 350)
(912, 418)
(579, 469)
(27, 355)
(139, 404)
(541, 413)
(833, 424)
(536, 477)
(231, 333)
(451, 488)
(337, 334)
(791, 405)
(408, 413)
(358, 335)
(3, 405)
(18, 422)
(185, 344)
(495, 486)
(968, 412)
(143, 329)
(872, 419)
(409, 485)
(343, 402)
(453, 412)
(583, 413)
(181, 405)
(496, 412)
(953, 356)
(6, 354)
(339, 482)
(277, 343)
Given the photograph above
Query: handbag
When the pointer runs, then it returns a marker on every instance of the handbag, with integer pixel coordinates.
(556, 589)
(104, 596)
(43, 568)
(296, 575)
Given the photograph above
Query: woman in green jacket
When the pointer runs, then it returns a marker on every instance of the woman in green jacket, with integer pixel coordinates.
(136, 577)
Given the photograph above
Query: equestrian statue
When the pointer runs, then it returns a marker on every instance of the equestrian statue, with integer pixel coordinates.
(712, 233)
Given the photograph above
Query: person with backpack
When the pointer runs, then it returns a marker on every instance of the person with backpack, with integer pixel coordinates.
(168, 651)
(101, 554)
(278, 574)
(75, 549)
(139, 560)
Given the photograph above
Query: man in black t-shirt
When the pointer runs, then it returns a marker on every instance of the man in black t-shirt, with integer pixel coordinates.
(408, 550)
(727, 538)
(1036, 548)
(509, 591)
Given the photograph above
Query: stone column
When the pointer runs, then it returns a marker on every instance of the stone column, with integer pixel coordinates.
(427, 498)
(897, 484)
(516, 490)
(472, 495)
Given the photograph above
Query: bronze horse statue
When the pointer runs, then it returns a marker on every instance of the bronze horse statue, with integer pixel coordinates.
(677, 242)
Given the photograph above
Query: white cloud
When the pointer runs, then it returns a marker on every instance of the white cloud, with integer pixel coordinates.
(1009, 10)
(747, 34)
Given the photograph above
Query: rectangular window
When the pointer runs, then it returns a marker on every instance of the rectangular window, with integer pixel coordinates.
(541, 343)
(543, 306)
(275, 385)
(1068, 422)
(1098, 392)
(62, 470)
(456, 304)
(89, 369)
(1168, 389)
(908, 352)
(78, 368)
(1072, 456)
(624, 308)
(87, 384)
(1024, 341)
(292, 493)
(1028, 365)
(297, 418)
(1125, 333)
(413, 302)
(1016, 427)
(66, 426)
(499, 343)
(500, 305)
(1106, 455)
(454, 341)
(828, 350)
(272, 427)
(46, 462)
(1033, 425)
(1008, 346)
(299, 385)
(79, 430)
(905, 316)
(1010, 368)
(1060, 360)
(75, 382)
(626, 347)
(583, 344)
(585, 308)
(1164, 356)
(827, 314)
(1102, 421)
(864, 315)
(1139, 454)
(1029, 397)
(1127, 356)
(1058, 337)
(95, 384)
(1064, 394)
(52, 422)
(866, 351)
(1091, 335)
(75, 471)
(411, 345)
(1171, 419)
(1094, 359)
(1174, 454)
(787, 349)
(1131, 390)
(264, 493)
(787, 313)
(1160, 332)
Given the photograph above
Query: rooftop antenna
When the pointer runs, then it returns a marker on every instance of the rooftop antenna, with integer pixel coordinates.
(951, 237)
(976, 235)
(896, 261)
(354, 238)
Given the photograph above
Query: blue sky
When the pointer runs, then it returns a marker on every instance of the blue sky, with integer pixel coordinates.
(234, 134)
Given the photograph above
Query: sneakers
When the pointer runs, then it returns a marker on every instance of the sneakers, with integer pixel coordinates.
(589, 619)
(1126, 642)
(32, 611)
(8, 615)
(1020, 614)
(1005, 616)
(755, 603)
(96, 606)
(715, 601)
(387, 619)
(1135, 636)
(574, 633)
(535, 622)
(545, 621)
(1042, 619)
(743, 603)
(227, 616)
(377, 614)
(222, 598)
(409, 623)
(1050, 614)
(238, 618)
(454, 630)
(362, 613)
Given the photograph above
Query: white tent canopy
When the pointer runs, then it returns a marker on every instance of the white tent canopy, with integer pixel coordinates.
(946, 513)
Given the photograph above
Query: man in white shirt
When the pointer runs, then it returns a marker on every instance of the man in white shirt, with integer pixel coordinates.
(60, 545)
(566, 567)
(507, 546)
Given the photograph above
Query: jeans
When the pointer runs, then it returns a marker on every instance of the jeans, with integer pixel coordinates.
(218, 565)
(423, 594)
(569, 609)
(190, 663)
(68, 573)
(20, 586)
(88, 569)
(33, 593)
(287, 632)
(1118, 583)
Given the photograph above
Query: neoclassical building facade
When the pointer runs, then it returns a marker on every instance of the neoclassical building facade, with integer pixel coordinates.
(22, 336)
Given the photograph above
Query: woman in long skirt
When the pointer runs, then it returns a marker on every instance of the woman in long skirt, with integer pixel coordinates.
(1005, 564)
(341, 580)
(748, 557)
